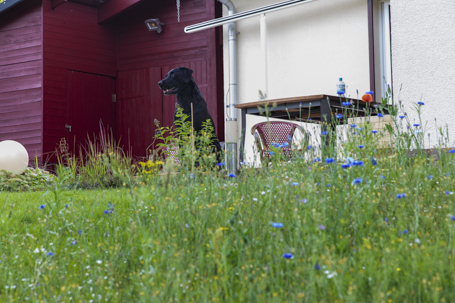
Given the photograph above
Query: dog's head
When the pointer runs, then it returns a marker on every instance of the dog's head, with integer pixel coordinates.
(176, 80)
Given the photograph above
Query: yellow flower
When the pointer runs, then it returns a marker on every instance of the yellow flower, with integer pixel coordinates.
(398, 269)
(142, 164)
(159, 163)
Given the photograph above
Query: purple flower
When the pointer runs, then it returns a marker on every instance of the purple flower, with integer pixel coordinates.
(66, 205)
(374, 131)
(430, 177)
(447, 192)
(74, 242)
(231, 175)
(324, 133)
(401, 117)
(288, 256)
(304, 201)
(405, 231)
(79, 232)
(386, 220)
(317, 266)
(42, 206)
(361, 146)
(277, 225)
(321, 227)
(380, 115)
(420, 103)
(453, 218)
(339, 116)
(50, 254)
(328, 185)
(357, 181)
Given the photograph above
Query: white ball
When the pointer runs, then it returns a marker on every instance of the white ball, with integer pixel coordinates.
(13, 157)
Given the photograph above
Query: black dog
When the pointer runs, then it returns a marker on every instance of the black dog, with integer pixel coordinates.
(180, 82)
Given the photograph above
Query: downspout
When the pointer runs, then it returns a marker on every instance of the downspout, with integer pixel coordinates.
(231, 120)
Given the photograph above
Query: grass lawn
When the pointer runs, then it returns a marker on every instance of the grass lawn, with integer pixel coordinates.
(214, 239)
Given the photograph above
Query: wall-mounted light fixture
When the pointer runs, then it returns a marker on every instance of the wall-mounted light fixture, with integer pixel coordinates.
(154, 25)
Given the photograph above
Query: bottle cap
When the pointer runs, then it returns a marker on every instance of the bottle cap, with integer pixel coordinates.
(341, 79)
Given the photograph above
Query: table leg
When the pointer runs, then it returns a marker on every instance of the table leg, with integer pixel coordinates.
(242, 143)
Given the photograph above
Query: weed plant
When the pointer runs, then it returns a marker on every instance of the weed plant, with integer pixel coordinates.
(358, 224)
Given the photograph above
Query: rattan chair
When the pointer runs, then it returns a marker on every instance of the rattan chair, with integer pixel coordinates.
(267, 133)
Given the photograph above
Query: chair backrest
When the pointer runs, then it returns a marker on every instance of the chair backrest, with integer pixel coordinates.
(275, 132)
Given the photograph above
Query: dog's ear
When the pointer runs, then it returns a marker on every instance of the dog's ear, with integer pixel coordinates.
(187, 73)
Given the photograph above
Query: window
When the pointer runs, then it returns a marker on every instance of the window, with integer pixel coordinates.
(385, 47)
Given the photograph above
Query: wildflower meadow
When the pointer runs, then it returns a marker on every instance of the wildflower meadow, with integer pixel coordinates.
(347, 222)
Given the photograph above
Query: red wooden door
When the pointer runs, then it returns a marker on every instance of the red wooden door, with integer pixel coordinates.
(139, 103)
(89, 103)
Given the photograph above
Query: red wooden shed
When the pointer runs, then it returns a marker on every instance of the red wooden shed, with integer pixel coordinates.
(73, 63)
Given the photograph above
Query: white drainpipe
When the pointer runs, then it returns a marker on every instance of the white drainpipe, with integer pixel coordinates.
(231, 120)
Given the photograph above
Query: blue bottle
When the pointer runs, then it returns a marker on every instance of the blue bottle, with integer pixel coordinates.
(341, 88)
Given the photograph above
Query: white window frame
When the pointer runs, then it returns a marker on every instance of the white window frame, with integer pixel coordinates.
(385, 47)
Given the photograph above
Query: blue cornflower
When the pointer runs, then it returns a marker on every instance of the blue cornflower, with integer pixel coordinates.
(295, 184)
(329, 160)
(50, 254)
(108, 211)
(272, 153)
(353, 125)
(359, 128)
(416, 124)
(370, 93)
(453, 218)
(345, 165)
(317, 160)
(339, 116)
(420, 103)
(221, 164)
(358, 163)
(386, 220)
(361, 146)
(317, 266)
(382, 176)
(42, 206)
(66, 205)
(309, 147)
(277, 225)
(374, 131)
(324, 133)
(401, 117)
(346, 103)
(74, 242)
(285, 144)
(399, 196)
(373, 161)
(328, 185)
(380, 115)
(304, 201)
(281, 146)
(452, 151)
(79, 232)
(231, 175)
(350, 160)
(289, 138)
(288, 256)
(430, 177)
(357, 181)
(321, 227)
(340, 92)
(405, 231)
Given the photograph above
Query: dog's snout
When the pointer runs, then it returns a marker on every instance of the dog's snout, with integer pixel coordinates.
(160, 84)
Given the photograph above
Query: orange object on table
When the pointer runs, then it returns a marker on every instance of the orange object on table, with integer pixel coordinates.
(367, 98)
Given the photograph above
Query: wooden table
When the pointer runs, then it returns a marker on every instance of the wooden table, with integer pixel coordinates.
(310, 109)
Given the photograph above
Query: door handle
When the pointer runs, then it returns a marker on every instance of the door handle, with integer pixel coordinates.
(68, 127)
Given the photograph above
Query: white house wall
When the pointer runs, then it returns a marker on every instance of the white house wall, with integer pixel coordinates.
(423, 62)
(309, 47)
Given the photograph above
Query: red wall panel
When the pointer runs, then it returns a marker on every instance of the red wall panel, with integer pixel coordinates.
(20, 76)
(72, 40)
